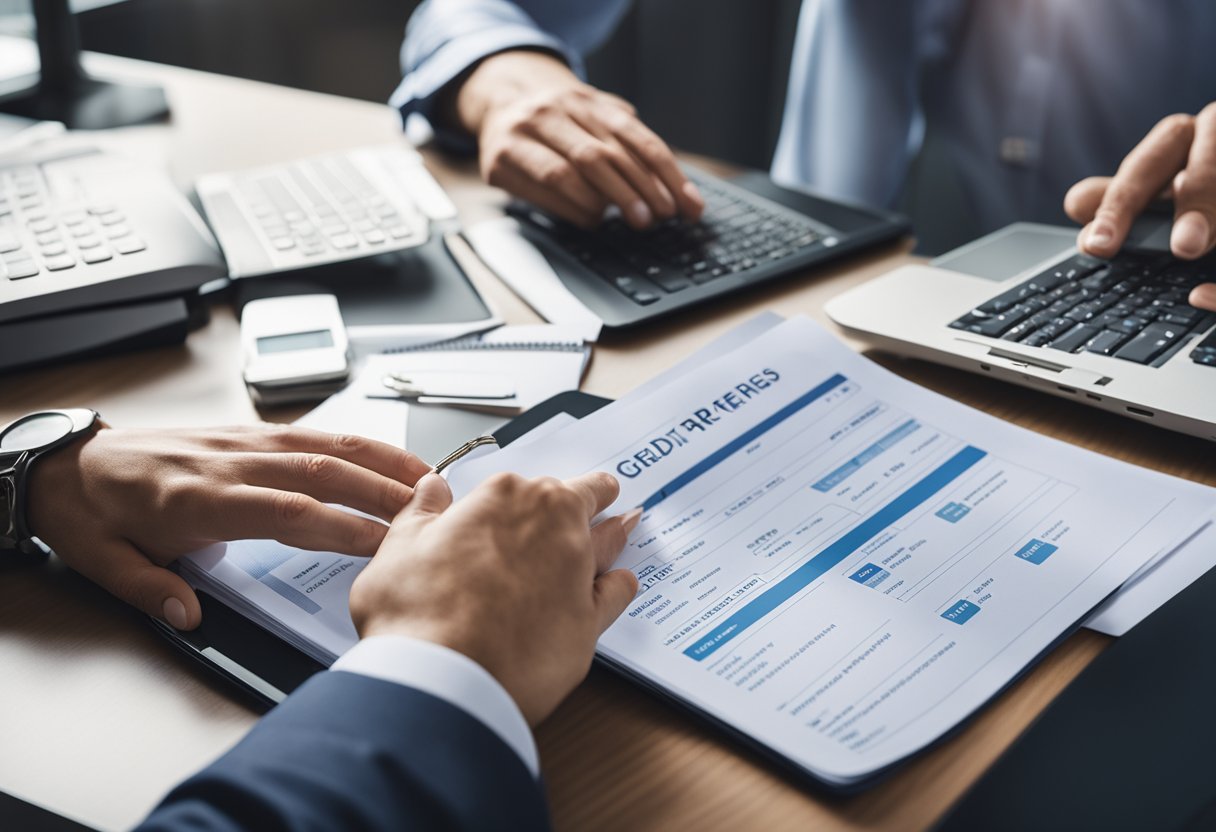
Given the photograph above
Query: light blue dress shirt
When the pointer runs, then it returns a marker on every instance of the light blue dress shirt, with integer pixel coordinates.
(1023, 97)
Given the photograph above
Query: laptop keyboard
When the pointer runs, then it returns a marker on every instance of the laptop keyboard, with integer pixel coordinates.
(738, 233)
(1132, 308)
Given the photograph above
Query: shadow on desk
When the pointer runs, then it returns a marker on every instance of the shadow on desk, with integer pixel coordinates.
(17, 814)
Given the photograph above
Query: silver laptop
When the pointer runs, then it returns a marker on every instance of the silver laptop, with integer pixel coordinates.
(1021, 304)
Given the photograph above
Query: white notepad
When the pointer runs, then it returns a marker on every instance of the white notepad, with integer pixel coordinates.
(540, 362)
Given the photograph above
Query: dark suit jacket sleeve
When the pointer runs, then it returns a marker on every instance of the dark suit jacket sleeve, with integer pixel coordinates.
(349, 752)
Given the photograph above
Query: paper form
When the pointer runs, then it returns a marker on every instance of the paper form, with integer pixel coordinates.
(840, 563)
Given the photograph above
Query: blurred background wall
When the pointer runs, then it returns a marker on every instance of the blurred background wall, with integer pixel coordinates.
(709, 75)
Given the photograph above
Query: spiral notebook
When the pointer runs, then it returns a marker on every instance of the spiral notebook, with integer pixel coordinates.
(537, 362)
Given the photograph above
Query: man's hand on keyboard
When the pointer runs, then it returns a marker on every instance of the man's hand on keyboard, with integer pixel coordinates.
(569, 148)
(123, 505)
(1177, 159)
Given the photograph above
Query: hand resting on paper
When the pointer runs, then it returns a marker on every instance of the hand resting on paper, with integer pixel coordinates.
(512, 576)
(124, 504)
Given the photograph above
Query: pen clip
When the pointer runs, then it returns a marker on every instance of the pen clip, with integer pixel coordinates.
(463, 451)
(401, 385)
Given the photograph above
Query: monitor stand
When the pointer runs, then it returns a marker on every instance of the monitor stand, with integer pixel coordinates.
(64, 92)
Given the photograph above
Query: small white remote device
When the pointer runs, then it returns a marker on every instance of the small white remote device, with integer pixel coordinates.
(295, 349)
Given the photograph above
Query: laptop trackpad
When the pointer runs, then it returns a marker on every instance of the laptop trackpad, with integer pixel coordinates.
(1008, 252)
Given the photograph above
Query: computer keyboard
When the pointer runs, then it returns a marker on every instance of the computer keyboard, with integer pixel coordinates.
(1133, 308)
(41, 233)
(322, 209)
(81, 228)
(740, 233)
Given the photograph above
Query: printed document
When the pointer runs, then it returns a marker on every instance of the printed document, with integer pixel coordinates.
(839, 563)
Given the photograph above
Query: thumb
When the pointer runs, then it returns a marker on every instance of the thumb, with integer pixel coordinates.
(131, 577)
(613, 592)
(431, 497)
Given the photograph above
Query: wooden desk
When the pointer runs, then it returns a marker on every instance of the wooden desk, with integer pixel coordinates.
(99, 717)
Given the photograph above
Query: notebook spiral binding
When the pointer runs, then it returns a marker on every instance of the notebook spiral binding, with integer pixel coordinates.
(476, 342)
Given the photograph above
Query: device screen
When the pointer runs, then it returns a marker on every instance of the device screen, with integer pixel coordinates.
(296, 341)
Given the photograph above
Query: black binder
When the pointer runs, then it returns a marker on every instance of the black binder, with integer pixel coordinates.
(267, 668)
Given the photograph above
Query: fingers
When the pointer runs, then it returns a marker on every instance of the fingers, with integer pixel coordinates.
(1144, 172)
(251, 512)
(609, 537)
(1194, 232)
(123, 571)
(327, 479)
(432, 496)
(384, 459)
(1203, 296)
(608, 168)
(613, 592)
(551, 199)
(597, 490)
(1082, 200)
(658, 157)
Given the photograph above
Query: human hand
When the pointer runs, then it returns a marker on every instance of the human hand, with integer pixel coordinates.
(512, 576)
(569, 148)
(1176, 159)
(123, 504)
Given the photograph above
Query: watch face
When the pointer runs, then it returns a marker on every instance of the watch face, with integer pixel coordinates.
(35, 432)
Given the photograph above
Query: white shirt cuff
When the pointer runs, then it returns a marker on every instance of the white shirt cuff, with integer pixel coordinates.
(447, 675)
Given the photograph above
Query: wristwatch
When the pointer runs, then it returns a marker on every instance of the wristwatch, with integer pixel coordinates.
(22, 443)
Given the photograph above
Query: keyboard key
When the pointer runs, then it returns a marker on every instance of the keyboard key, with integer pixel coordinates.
(1075, 338)
(19, 269)
(9, 242)
(59, 263)
(116, 231)
(1106, 342)
(129, 245)
(53, 249)
(1156, 338)
(283, 243)
(96, 255)
(671, 282)
(113, 218)
(91, 241)
(1204, 352)
(344, 241)
(374, 237)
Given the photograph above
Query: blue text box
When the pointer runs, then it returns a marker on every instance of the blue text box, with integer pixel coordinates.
(953, 512)
(870, 575)
(1036, 551)
(962, 612)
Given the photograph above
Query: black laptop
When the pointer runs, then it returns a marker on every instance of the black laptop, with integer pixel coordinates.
(752, 232)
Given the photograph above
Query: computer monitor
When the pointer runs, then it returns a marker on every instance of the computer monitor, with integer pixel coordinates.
(63, 91)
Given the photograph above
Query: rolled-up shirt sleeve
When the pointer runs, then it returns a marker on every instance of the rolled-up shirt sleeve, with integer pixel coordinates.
(445, 38)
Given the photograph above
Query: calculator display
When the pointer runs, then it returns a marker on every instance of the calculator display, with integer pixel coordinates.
(290, 342)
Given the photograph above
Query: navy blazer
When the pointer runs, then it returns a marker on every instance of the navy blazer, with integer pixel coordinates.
(349, 752)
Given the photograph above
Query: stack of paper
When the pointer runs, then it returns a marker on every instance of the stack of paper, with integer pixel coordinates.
(842, 565)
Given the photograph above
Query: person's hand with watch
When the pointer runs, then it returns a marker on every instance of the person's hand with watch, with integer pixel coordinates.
(119, 506)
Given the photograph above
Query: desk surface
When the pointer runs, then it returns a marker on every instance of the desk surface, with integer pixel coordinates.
(99, 717)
